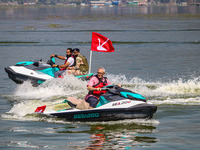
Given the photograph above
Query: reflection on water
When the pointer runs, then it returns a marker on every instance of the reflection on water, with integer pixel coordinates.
(112, 136)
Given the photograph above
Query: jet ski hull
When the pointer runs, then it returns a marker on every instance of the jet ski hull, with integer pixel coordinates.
(36, 73)
(116, 104)
(140, 111)
(20, 78)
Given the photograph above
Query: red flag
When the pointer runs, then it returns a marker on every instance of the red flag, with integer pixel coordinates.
(101, 43)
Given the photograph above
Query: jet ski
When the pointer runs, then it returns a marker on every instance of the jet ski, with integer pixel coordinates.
(116, 104)
(36, 72)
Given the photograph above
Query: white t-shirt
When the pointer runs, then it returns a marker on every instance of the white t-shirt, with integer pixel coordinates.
(71, 61)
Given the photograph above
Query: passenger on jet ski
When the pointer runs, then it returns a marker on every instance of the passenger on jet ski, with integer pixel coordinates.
(69, 62)
(81, 64)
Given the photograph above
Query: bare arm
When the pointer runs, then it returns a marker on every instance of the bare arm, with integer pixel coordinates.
(62, 66)
(60, 57)
(65, 65)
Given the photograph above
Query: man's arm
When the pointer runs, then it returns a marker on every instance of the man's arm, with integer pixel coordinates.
(90, 85)
(90, 88)
(62, 66)
(109, 83)
(59, 57)
(65, 65)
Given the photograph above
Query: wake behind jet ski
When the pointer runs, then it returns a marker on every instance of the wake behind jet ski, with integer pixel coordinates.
(116, 104)
(35, 71)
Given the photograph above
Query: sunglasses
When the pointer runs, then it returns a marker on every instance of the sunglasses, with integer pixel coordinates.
(100, 73)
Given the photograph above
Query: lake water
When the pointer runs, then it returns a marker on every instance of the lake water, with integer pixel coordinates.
(157, 54)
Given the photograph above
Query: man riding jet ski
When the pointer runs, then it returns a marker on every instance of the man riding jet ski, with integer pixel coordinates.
(116, 104)
(69, 62)
(104, 102)
(94, 86)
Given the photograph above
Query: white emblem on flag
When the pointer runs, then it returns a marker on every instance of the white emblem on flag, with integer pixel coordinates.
(100, 47)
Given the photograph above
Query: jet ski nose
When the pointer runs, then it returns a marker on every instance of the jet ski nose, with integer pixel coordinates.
(9, 70)
(13, 75)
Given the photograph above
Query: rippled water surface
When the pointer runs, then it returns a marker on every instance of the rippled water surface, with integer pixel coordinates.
(157, 51)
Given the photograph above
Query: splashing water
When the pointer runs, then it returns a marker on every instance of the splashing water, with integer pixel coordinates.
(181, 92)
(56, 90)
(191, 86)
(51, 88)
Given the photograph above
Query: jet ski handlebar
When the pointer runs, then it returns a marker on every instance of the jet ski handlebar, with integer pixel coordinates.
(109, 88)
(51, 61)
(105, 89)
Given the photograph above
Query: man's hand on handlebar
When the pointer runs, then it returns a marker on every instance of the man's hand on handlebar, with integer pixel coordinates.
(54, 65)
(98, 89)
(119, 85)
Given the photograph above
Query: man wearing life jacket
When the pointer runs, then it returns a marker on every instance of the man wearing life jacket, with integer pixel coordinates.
(81, 64)
(69, 62)
(94, 86)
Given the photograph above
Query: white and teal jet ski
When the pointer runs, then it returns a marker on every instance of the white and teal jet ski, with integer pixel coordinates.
(35, 71)
(116, 104)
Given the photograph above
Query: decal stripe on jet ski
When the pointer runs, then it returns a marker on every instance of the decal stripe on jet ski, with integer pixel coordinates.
(135, 95)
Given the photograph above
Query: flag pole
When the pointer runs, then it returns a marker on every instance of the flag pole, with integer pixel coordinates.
(90, 61)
